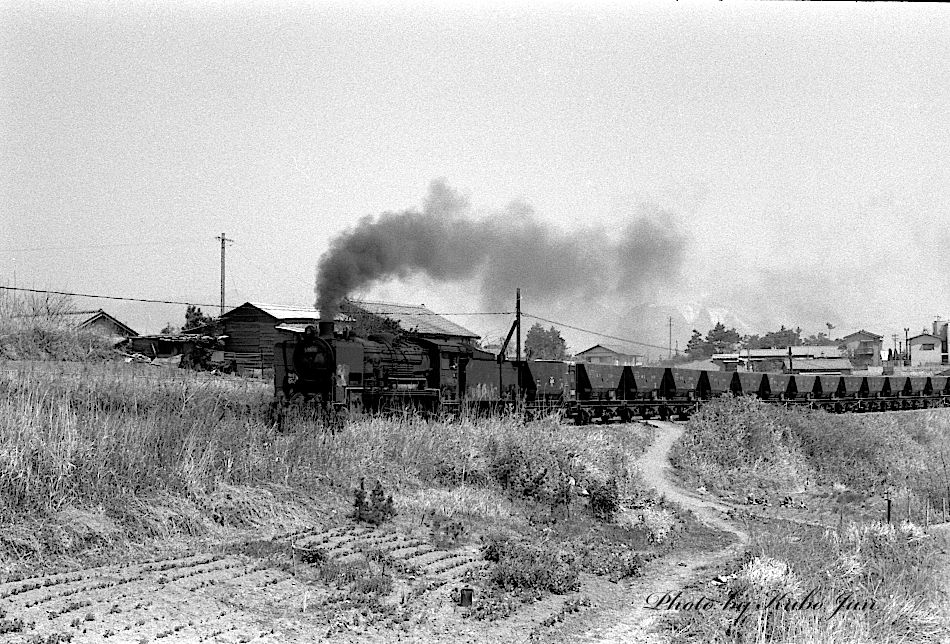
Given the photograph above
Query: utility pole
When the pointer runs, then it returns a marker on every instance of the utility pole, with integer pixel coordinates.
(671, 338)
(224, 241)
(906, 346)
(518, 344)
(515, 327)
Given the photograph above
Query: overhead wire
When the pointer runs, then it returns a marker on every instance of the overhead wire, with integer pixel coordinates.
(139, 244)
(160, 301)
(592, 332)
(103, 297)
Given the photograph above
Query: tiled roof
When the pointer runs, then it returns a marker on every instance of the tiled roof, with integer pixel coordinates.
(925, 335)
(80, 319)
(413, 318)
(280, 312)
(614, 348)
(866, 333)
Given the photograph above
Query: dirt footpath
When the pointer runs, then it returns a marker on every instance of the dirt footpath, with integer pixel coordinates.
(623, 615)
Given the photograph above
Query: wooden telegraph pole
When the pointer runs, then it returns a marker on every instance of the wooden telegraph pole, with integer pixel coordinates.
(224, 241)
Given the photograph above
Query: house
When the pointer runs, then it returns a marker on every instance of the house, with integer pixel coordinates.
(97, 321)
(494, 348)
(414, 319)
(940, 330)
(864, 348)
(818, 366)
(613, 354)
(925, 349)
(771, 360)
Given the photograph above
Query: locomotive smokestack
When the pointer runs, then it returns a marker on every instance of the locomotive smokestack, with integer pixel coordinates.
(326, 326)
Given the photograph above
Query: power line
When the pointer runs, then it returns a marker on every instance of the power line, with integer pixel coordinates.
(428, 313)
(102, 297)
(157, 301)
(139, 244)
(597, 333)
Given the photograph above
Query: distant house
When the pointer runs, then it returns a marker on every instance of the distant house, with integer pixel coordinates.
(864, 348)
(612, 354)
(940, 330)
(98, 322)
(494, 348)
(819, 366)
(416, 319)
(925, 349)
(771, 360)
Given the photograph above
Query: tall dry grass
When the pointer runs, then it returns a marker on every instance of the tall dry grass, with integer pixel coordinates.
(739, 446)
(742, 445)
(111, 435)
(866, 583)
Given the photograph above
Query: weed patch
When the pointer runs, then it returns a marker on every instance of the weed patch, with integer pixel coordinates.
(530, 566)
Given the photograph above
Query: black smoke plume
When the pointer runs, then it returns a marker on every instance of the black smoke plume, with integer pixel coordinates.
(447, 242)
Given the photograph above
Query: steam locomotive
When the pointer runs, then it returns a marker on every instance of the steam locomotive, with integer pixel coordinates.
(391, 372)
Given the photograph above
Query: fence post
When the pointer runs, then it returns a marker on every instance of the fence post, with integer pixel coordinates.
(888, 509)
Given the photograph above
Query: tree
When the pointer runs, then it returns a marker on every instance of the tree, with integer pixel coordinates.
(544, 345)
(775, 339)
(718, 339)
(195, 318)
(170, 329)
(820, 339)
(697, 348)
(721, 339)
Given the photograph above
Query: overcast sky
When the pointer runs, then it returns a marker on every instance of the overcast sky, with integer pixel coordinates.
(801, 151)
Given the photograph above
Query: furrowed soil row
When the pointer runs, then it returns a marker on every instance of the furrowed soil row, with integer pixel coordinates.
(235, 595)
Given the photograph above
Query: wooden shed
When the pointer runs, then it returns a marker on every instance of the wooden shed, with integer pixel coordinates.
(251, 331)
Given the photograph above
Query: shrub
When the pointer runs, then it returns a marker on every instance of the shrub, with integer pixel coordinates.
(379, 508)
(531, 566)
(604, 499)
(378, 585)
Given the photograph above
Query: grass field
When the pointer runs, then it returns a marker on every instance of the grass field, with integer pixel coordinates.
(866, 581)
(100, 459)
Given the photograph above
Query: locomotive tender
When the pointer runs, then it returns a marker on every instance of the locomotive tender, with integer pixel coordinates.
(391, 372)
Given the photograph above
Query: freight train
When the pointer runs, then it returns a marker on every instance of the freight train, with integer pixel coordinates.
(387, 372)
